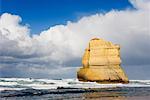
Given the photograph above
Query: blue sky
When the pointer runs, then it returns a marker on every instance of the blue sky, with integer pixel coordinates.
(42, 14)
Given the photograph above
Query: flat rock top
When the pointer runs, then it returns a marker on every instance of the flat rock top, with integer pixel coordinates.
(96, 42)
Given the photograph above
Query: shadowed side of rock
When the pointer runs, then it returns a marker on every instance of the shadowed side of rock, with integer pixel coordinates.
(101, 63)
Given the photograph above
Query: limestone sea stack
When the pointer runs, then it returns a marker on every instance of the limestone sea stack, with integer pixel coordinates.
(101, 63)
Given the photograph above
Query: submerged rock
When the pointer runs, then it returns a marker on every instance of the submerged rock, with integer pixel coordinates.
(101, 63)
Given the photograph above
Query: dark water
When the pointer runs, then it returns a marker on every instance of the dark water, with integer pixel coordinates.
(121, 93)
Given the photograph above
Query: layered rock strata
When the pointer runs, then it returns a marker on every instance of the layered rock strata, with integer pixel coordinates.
(101, 63)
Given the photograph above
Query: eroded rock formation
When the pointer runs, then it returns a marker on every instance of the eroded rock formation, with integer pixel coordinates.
(101, 63)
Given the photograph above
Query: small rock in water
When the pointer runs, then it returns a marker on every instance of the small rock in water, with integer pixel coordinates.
(101, 63)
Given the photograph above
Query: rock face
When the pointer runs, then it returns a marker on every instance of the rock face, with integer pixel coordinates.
(101, 63)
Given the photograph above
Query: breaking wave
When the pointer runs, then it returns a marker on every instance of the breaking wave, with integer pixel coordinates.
(29, 83)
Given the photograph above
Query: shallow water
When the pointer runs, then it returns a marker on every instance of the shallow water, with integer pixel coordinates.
(46, 89)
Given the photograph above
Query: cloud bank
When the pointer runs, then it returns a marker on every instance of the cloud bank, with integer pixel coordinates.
(57, 51)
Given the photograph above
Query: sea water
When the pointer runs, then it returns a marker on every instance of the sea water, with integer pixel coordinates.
(49, 89)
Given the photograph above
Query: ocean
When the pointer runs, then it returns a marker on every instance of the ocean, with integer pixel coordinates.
(71, 89)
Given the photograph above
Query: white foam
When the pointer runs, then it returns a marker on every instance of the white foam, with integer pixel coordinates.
(25, 83)
(8, 83)
(6, 88)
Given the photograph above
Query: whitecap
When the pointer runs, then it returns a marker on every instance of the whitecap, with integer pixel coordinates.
(24, 83)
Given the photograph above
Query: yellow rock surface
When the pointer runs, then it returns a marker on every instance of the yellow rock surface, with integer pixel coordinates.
(101, 63)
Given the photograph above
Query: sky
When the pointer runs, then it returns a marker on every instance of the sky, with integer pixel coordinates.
(47, 39)
(47, 13)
